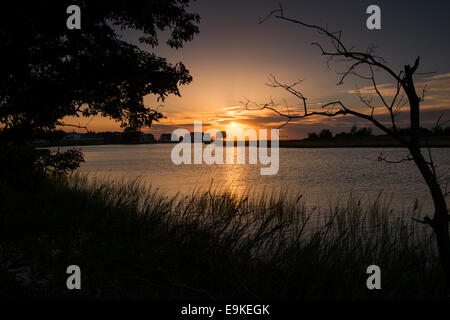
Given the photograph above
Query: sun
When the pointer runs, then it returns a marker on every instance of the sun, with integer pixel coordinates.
(233, 126)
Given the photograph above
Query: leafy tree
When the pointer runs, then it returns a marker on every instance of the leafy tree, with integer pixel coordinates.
(325, 134)
(313, 136)
(50, 72)
(364, 132)
(131, 135)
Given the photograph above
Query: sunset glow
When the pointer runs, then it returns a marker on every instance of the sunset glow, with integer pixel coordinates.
(225, 159)
(229, 66)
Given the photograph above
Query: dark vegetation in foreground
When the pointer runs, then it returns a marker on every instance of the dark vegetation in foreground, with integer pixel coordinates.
(131, 243)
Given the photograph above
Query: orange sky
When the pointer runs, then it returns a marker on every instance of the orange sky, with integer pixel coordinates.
(233, 56)
(221, 114)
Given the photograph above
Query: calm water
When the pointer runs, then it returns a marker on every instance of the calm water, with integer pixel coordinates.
(320, 175)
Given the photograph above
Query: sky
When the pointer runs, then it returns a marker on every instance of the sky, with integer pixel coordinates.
(232, 57)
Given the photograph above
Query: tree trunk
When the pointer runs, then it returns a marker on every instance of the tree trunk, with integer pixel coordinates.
(440, 221)
(443, 241)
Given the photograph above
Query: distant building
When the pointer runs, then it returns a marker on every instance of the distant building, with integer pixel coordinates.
(93, 137)
(78, 137)
(167, 137)
(73, 137)
(40, 142)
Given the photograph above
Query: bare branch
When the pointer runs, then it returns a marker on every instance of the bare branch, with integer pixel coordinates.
(382, 158)
(405, 93)
(342, 51)
(425, 220)
(438, 122)
(273, 107)
(272, 13)
(62, 124)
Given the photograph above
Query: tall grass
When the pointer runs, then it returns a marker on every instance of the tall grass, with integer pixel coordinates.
(134, 242)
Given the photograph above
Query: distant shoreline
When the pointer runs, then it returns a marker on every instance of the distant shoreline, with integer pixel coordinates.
(348, 142)
(366, 142)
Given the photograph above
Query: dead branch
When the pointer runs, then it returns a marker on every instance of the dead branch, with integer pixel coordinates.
(62, 124)
(405, 93)
(426, 220)
(384, 159)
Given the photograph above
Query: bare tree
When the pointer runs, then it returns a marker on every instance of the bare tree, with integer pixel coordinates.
(363, 65)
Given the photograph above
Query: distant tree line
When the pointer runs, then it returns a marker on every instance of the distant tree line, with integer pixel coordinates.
(367, 131)
(59, 137)
(327, 134)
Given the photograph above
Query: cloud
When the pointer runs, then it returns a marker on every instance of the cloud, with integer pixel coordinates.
(437, 100)
(439, 76)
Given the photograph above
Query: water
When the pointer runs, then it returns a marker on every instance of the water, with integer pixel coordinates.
(322, 176)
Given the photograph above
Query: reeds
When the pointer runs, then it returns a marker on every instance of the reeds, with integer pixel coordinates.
(132, 241)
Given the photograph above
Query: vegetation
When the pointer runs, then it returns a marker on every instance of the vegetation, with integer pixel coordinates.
(365, 142)
(354, 132)
(128, 136)
(50, 73)
(363, 137)
(363, 132)
(135, 243)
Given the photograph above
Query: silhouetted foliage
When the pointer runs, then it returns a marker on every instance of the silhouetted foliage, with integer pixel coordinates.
(131, 134)
(425, 132)
(364, 132)
(440, 131)
(50, 72)
(447, 131)
(354, 132)
(25, 166)
(325, 134)
(313, 136)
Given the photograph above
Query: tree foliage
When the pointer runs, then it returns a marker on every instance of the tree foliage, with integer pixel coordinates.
(50, 72)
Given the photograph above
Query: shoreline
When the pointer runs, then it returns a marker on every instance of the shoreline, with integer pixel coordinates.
(367, 142)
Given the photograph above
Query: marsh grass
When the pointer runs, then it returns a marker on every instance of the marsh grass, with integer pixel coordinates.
(132, 241)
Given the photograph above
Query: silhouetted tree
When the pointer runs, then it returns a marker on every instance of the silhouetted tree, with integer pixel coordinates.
(50, 72)
(313, 136)
(364, 132)
(363, 65)
(325, 134)
(132, 135)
